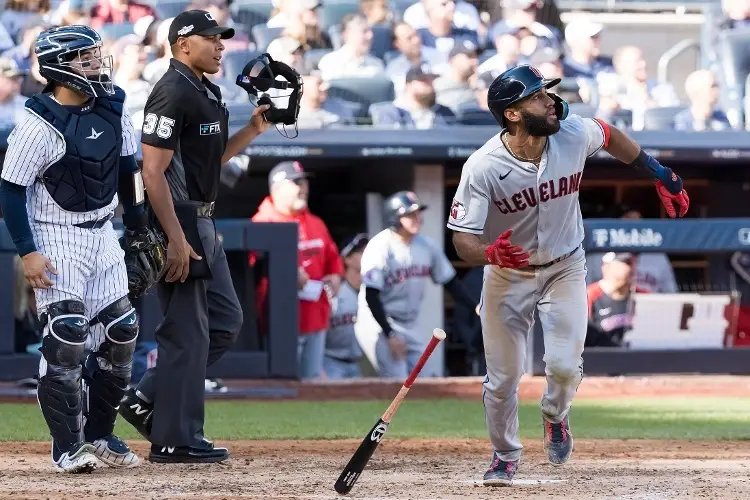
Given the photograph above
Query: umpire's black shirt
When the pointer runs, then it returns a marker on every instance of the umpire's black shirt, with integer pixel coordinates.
(186, 115)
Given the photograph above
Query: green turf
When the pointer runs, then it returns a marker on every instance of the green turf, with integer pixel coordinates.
(664, 418)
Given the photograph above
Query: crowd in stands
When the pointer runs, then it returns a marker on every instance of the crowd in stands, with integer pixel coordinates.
(411, 64)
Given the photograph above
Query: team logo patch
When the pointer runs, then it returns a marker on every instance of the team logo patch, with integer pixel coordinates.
(185, 30)
(458, 211)
(535, 71)
(209, 16)
(210, 128)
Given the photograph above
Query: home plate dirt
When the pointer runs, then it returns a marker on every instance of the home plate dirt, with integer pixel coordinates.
(415, 469)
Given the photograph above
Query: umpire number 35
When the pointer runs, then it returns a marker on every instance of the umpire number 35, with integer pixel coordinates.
(161, 124)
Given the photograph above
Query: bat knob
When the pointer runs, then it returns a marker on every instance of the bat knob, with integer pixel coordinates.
(439, 334)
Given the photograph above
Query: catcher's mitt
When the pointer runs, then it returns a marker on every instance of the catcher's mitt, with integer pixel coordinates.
(145, 259)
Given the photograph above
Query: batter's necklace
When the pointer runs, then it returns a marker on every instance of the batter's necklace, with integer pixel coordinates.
(522, 158)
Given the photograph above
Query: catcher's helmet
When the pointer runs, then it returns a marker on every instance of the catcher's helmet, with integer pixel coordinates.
(399, 204)
(57, 48)
(513, 85)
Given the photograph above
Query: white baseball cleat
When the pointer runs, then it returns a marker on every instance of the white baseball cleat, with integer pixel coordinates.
(113, 452)
(76, 461)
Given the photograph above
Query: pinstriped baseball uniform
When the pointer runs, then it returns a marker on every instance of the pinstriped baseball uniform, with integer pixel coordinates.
(498, 192)
(89, 262)
(400, 272)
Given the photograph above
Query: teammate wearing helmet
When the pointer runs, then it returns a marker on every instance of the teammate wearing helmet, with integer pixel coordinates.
(68, 165)
(396, 265)
(516, 212)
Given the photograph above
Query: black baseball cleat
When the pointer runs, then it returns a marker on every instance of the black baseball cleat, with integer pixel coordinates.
(558, 441)
(199, 454)
(137, 412)
(501, 472)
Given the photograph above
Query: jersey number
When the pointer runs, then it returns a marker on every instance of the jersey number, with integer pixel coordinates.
(163, 130)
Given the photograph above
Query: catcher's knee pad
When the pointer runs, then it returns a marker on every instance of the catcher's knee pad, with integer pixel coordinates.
(59, 390)
(107, 371)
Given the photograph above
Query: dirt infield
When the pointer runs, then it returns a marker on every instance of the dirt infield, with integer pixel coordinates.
(421, 469)
(401, 469)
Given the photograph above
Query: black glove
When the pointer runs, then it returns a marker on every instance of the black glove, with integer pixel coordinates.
(145, 259)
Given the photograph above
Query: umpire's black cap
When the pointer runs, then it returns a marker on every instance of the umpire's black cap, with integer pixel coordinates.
(196, 22)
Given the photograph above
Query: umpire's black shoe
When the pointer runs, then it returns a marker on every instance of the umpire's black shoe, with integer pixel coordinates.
(186, 454)
(137, 412)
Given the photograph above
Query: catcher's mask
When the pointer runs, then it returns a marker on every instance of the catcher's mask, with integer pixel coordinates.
(261, 75)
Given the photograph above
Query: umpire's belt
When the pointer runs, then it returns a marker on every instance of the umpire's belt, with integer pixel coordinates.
(552, 262)
(205, 209)
(94, 224)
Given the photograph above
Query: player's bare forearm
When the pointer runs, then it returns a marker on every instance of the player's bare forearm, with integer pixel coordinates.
(155, 163)
(469, 248)
(621, 146)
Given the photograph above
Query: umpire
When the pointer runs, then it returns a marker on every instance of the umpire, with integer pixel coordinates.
(185, 143)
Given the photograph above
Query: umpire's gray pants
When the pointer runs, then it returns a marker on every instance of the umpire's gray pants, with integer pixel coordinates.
(201, 321)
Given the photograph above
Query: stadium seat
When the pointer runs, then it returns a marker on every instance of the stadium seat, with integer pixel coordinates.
(581, 109)
(486, 55)
(735, 66)
(235, 60)
(363, 90)
(116, 30)
(473, 115)
(661, 118)
(313, 57)
(333, 11)
(170, 8)
(251, 12)
(263, 35)
(382, 39)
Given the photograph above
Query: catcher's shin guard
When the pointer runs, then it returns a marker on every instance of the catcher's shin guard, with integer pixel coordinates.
(59, 389)
(107, 371)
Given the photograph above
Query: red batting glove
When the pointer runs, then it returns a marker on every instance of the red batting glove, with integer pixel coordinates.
(502, 254)
(667, 198)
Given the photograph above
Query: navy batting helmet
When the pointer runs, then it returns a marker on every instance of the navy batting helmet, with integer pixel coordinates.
(71, 56)
(399, 204)
(515, 84)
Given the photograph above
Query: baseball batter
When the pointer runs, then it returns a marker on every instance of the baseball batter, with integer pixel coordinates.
(396, 266)
(516, 212)
(66, 162)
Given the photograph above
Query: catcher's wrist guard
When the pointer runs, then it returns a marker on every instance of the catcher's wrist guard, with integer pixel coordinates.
(145, 259)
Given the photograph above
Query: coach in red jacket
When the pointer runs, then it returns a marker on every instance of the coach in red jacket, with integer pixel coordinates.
(318, 261)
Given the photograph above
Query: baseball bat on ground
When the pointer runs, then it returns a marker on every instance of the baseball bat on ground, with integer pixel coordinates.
(357, 463)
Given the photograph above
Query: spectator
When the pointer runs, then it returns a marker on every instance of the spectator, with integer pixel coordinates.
(34, 82)
(441, 33)
(549, 63)
(508, 55)
(6, 41)
(319, 262)
(412, 52)
(119, 11)
(129, 62)
(343, 353)
(287, 50)
(640, 93)
(303, 25)
(453, 89)
(703, 93)
(21, 53)
(736, 14)
(18, 13)
(416, 108)
(11, 101)
(154, 70)
(522, 15)
(654, 271)
(466, 15)
(353, 59)
(584, 59)
(481, 85)
(376, 12)
(79, 16)
(219, 10)
(610, 87)
(317, 110)
(609, 301)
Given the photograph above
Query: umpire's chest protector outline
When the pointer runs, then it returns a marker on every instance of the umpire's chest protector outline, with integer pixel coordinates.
(86, 176)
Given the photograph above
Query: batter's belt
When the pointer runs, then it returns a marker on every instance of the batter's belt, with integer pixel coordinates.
(550, 263)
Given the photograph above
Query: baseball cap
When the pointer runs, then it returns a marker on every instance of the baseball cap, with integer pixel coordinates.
(582, 28)
(419, 72)
(354, 244)
(625, 257)
(545, 55)
(9, 68)
(463, 47)
(291, 170)
(196, 22)
(484, 80)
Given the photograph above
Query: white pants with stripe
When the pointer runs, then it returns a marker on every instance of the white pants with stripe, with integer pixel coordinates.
(90, 268)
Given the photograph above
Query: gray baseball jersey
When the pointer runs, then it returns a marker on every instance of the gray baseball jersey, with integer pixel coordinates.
(400, 272)
(498, 192)
(340, 340)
